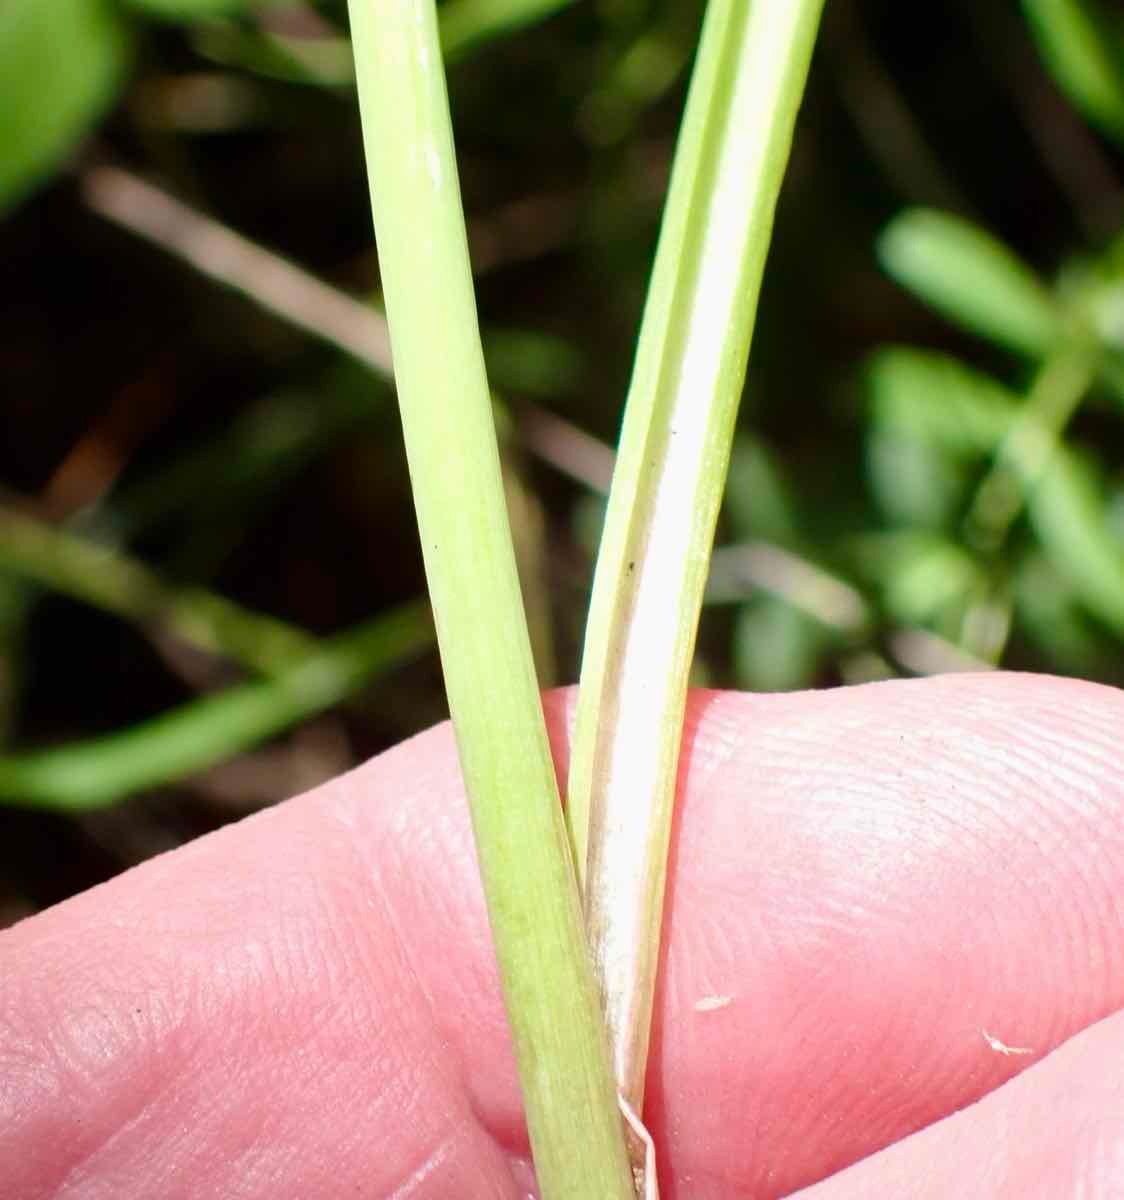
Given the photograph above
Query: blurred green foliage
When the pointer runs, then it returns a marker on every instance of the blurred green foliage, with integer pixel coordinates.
(1082, 42)
(203, 502)
(195, 10)
(970, 278)
(61, 64)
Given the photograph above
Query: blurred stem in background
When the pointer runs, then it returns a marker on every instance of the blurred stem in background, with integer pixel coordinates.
(101, 771)
(1025, 452)
(108, 580)
(269, 280)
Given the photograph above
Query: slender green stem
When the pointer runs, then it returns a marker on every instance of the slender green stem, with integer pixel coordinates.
(114, 583)
(1025, 451)
(572, 1116)
(675, 445)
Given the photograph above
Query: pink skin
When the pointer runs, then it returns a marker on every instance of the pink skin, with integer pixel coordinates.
(867, 886)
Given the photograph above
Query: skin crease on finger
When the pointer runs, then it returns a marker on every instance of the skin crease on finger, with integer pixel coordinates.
(884, 903)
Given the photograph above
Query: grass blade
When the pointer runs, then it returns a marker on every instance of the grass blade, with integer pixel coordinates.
(667, 488)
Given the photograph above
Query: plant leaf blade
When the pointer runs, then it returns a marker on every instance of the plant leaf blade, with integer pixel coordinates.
(61, 64)
(667, 488)
(970, 278)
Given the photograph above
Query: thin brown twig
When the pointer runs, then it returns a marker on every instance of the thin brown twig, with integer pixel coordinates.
(218, 252)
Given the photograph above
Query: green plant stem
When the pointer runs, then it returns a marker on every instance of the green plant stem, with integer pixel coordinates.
(101, 771)
(667, 488)
(1023, 454)
(108, 580)
(533, 904)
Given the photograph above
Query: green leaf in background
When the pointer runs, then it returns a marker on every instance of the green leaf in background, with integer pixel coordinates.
(758, 498)
(92, 774)
(197, 10)
(972, 279)
(468, 23)
(526, 362)
(61, 64)
(1068, 512)
(1084, 52)
(923, 579)
(1051, 616)
(777, 648)
(324, 61)
(937, 400)
(915, 483)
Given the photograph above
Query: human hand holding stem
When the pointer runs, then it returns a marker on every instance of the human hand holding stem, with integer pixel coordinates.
(879, 894)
